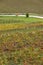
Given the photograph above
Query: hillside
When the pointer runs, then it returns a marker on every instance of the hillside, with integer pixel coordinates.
(33, 6)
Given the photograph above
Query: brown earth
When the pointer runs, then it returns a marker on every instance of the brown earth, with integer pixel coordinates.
(31, 6)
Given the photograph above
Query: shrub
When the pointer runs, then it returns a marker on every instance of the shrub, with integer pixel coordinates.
(27, 15)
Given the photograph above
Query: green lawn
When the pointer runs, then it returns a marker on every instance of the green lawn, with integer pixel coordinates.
(16, 19)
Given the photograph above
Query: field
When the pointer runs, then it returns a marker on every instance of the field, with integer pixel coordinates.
(18, 6)
(21, 41)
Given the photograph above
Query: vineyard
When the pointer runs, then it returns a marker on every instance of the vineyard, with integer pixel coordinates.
(21, 41)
